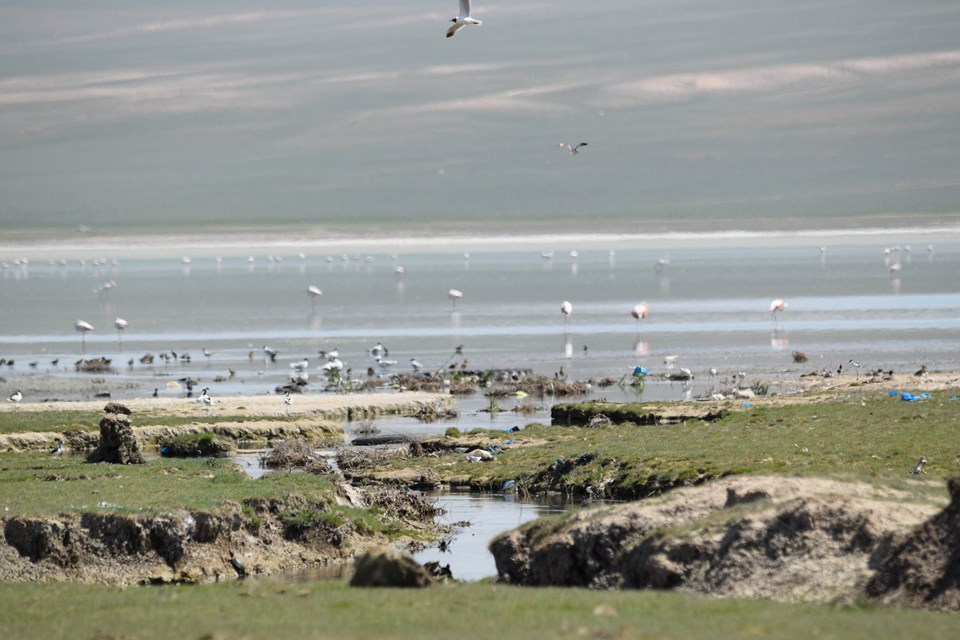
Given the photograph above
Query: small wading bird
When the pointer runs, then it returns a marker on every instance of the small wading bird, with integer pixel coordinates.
(918, 468)
(15, 397)
(269, 353)
(287, 402)
(57, 450)
(463, 19)
(573, 149)
(205, 400)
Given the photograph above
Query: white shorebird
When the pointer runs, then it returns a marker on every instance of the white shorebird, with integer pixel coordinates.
(463, 19)
(332, 365)
(15, 397)
(301, 366)
(454, 295)
(83, 327)
(269, 353)
(417, 366)
(378, 351)
(573, 149)
(287, 402)
(57, 450)
(120, 324)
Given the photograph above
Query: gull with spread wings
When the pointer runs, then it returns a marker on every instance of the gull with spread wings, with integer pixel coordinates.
(463, 19)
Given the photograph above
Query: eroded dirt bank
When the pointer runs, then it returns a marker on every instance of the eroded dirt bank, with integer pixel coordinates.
(791, 539)
(259, 537)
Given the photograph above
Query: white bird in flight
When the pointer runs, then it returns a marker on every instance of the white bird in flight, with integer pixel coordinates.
(463, 19)
(574, 150)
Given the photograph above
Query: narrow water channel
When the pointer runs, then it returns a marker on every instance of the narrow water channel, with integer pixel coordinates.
(479, 518)
(476, 519)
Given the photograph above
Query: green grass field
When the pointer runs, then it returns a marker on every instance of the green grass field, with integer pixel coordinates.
(272, 609)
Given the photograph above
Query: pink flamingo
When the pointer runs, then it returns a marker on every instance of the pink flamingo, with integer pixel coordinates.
(120, 324)
(83, 327)
(775, 306)
(640, 312)
(566, 309)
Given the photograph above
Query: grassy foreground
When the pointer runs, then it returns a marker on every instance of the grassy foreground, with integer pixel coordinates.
(269, 609)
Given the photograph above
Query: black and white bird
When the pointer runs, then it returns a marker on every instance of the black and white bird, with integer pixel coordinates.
(16, 396)
(573, 149)
(287, 402)
(57, 450)
(463, 19)
(270, 353)
(918, 468)
(205, 400)
(417, 366)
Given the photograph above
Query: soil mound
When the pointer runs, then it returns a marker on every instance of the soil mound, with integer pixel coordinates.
(792, 539)
(922, 568)
(118, 444)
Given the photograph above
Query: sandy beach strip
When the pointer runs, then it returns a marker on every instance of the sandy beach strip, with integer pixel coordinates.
(331, 406)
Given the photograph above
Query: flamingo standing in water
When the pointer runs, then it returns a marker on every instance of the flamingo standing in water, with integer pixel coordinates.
(83, 327)
(566, 309)
(120, 324)
(454, 295)
(777, 305)
(640, 312)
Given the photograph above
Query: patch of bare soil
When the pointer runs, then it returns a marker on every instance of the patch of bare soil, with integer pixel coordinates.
(791, 539)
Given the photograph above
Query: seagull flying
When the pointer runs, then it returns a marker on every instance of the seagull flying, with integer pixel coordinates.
(574, 150)
(463, 19)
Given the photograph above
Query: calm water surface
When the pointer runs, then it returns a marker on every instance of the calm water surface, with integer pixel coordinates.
(708, 307)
